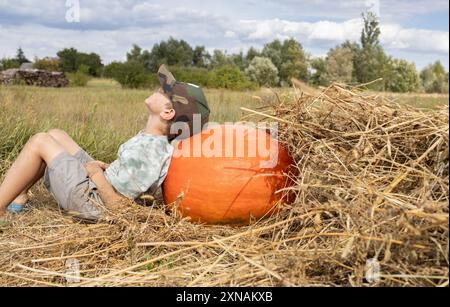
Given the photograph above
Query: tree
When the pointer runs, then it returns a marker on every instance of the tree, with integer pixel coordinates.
(435, 78)
(289, 58)
(91, 60)
(370, 35)
(135, 53)
(172, 52)
(318, 66)
(251, 54)
(201, 58)
(262, 71)
(219, 59)
(294, 63)
(68, 59)
(356, 50)
(20, 57)
(140, 56)
(338, 66)
(402, 76)
(273, 51)
(239, 60)
(371, 60)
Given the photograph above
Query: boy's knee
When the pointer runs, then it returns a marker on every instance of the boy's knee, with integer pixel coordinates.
(57, 133)
(39, 139)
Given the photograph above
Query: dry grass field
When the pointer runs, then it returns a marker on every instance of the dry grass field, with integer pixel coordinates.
(372, 184)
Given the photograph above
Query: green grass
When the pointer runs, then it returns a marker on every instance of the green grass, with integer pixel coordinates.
(99, 117)
(418, 100)
(102, 115)
(423, 101)
(108, 83)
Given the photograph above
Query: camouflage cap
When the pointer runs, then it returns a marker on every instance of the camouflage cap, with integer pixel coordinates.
(187, 99)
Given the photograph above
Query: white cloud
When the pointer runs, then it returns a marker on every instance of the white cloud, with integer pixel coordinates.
(230, 34)
(389, 10)
(330, 33)
(415, 40)
(111, 27)
(111, 44)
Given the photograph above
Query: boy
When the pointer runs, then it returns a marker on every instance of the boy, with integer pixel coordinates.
(81, 185)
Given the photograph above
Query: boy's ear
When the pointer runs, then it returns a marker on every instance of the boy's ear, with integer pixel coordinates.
(167, 114)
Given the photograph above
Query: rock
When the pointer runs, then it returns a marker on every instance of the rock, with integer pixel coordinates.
(34, 77)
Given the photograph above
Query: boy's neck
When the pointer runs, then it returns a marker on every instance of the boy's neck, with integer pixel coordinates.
(154, 126)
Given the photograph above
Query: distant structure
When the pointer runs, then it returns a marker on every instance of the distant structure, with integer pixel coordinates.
(26, 66)
(26, 75)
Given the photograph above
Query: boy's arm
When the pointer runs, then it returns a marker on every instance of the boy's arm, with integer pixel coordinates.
(105, 189)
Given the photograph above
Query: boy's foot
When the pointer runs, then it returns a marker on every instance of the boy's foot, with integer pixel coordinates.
(19, 208)
(20, 204)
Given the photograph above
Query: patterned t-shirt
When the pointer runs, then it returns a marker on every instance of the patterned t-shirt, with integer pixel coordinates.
(141, 165)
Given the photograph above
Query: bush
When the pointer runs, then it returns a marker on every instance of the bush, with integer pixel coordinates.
(84, 69)
(47, 64)
(78, 78)
(110, 69)
(229, 77)
(197, 76)
(262, 71)
(130, 74)
(6, 63)
(435, 78)
(402, 77)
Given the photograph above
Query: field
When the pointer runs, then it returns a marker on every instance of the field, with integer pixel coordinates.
(149, 246)
(101, 116)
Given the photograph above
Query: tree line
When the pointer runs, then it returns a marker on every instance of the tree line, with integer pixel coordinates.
(274, 65)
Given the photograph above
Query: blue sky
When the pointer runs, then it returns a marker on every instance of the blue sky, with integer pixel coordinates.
(416, 30)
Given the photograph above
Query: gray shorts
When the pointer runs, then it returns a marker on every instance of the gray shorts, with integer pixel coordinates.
(66, 178)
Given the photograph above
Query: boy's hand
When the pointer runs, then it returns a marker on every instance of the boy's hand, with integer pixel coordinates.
(94, 167)
(102, 165)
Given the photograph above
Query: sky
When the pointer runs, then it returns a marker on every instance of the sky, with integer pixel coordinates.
(415, 30)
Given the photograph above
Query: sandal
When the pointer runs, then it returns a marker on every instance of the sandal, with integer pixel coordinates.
(19, 208)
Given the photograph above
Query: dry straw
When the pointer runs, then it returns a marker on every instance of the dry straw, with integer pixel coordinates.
(372, 183)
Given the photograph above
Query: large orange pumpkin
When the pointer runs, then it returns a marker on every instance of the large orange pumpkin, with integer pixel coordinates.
(218, 177)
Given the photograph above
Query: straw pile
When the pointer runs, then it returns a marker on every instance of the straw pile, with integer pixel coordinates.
(372, 185)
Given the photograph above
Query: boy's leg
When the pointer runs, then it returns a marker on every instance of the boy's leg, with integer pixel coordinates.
(42, 147)
(65, 140)
(22, 199)
(69, 145)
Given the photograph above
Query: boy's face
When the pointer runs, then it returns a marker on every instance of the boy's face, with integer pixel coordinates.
(159, 103)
